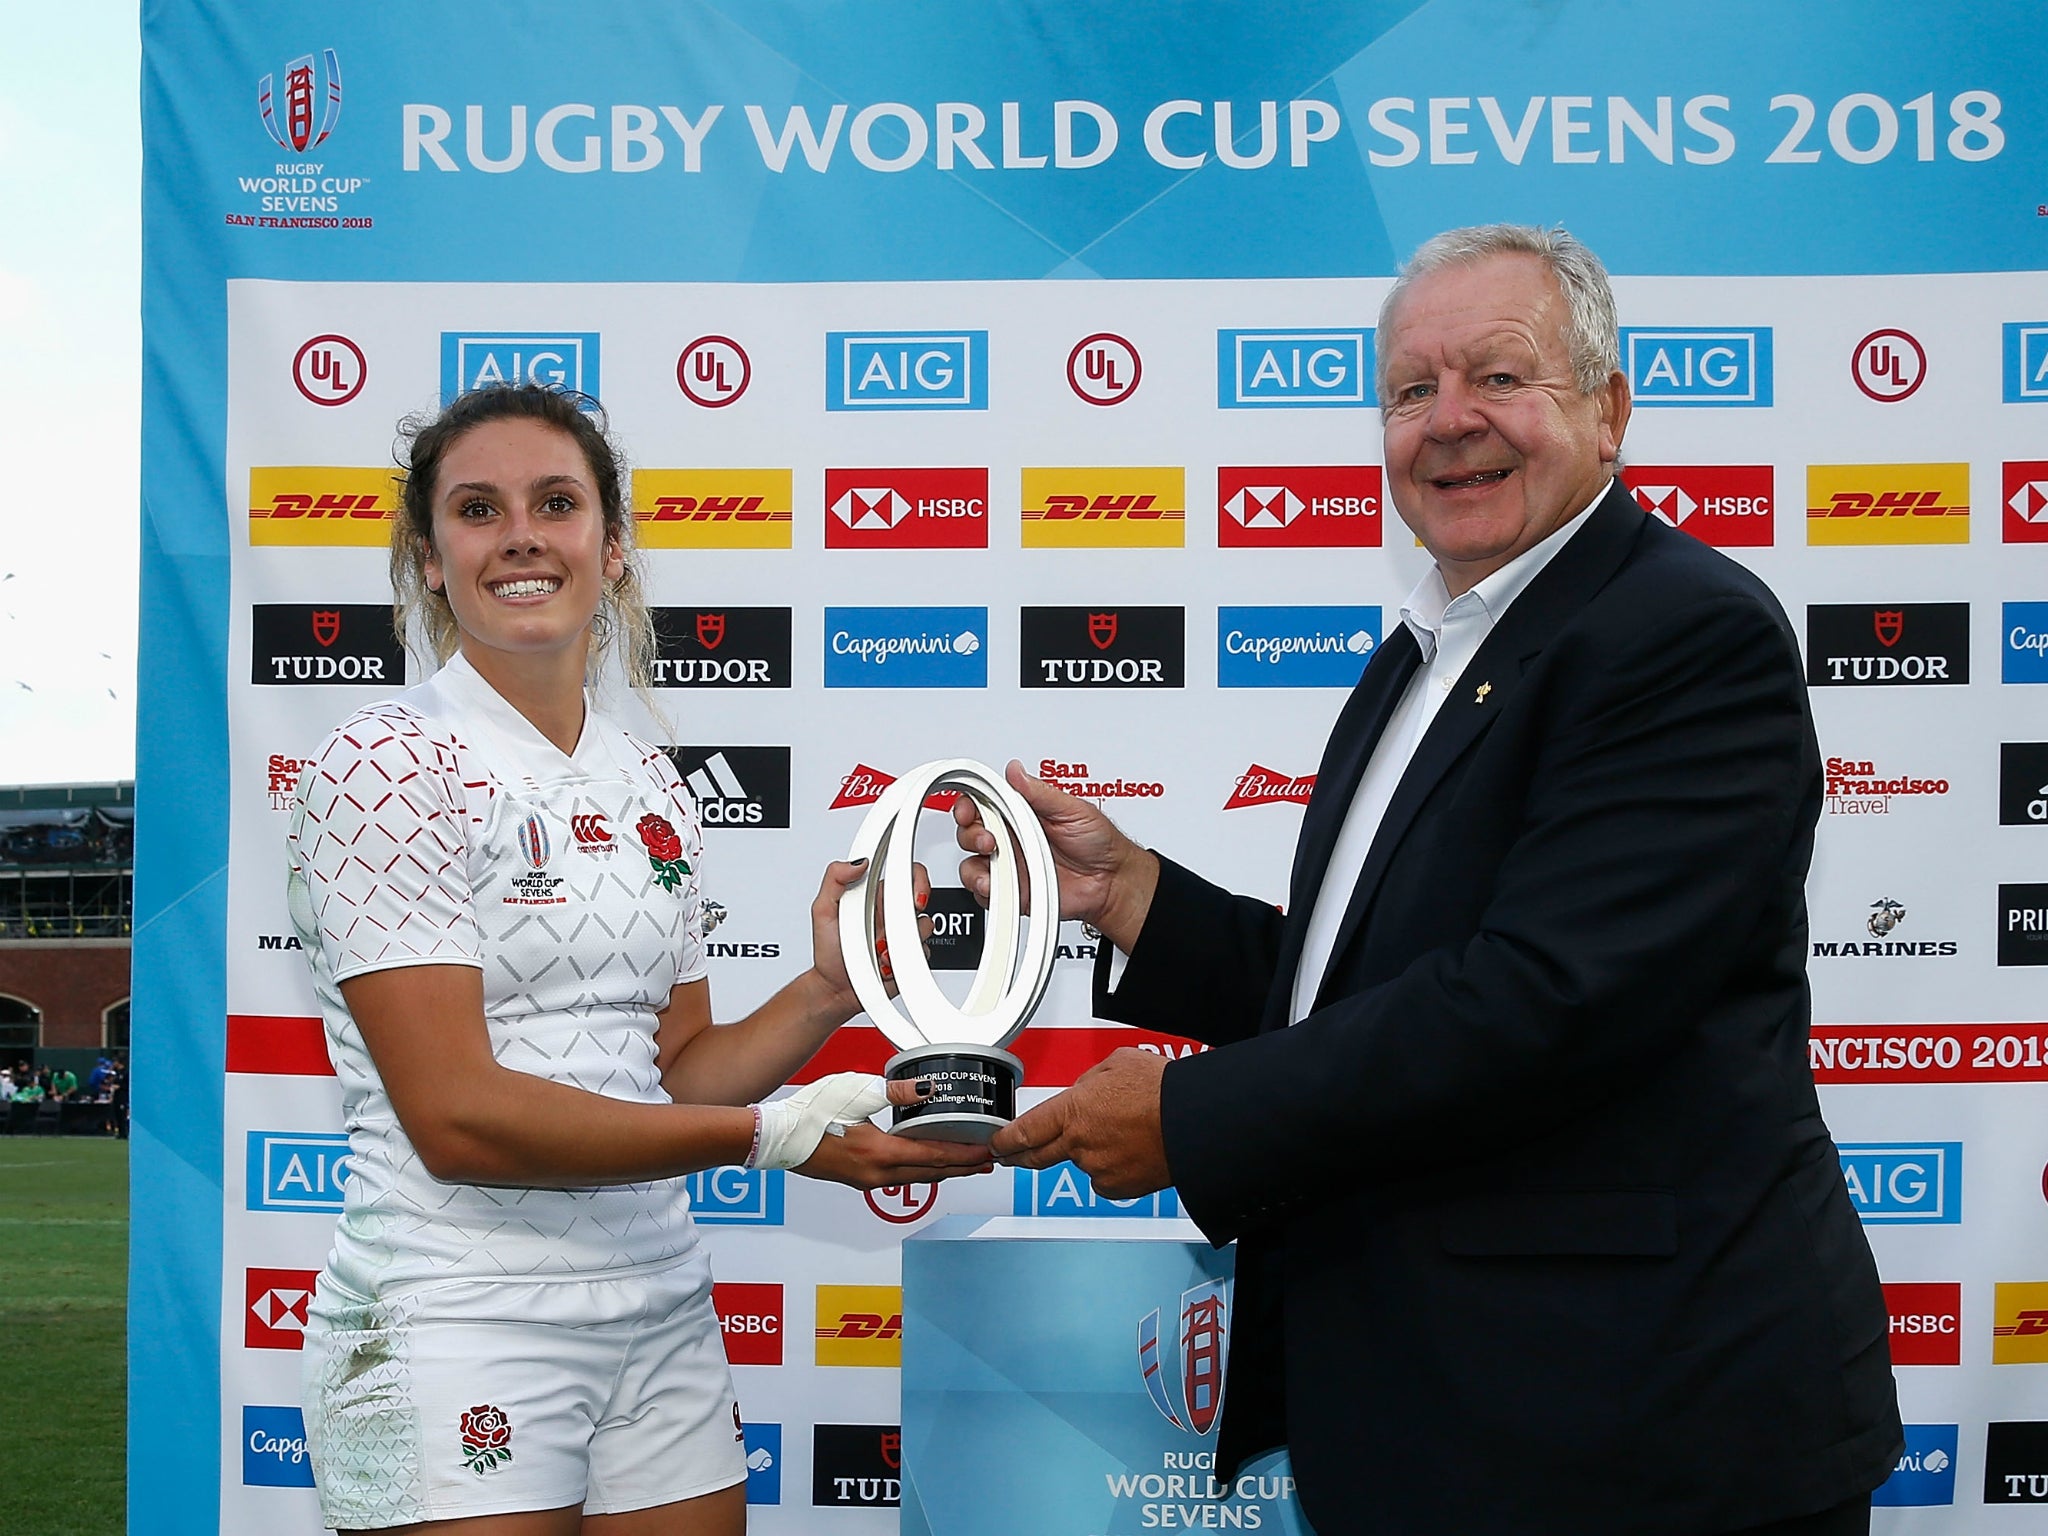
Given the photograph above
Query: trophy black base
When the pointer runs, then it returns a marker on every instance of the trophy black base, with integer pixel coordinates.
(974, 1091)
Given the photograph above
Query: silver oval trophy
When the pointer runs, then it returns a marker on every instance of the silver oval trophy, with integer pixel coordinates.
(957, 1047)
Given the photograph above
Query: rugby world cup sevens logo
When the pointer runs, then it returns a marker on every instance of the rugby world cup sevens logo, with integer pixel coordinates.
(1204, 1345)
(300, 89)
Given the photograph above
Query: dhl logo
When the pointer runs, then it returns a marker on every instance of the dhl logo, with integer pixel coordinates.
(1105, 508)
(321, 505)
(713, 508)
(2019, 1324)
(860, 1325)
(1888, 504)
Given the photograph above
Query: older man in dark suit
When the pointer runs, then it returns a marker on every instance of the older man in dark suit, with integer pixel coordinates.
(1540, 1232)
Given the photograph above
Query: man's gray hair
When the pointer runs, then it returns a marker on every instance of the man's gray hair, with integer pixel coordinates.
(1591, 330)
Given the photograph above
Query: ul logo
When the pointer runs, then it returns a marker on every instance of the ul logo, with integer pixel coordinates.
(901, 1204)
(329, 370)
(1103, 369)
(1888, 365)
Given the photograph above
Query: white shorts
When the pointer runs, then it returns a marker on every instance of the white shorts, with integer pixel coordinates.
(482, 1397)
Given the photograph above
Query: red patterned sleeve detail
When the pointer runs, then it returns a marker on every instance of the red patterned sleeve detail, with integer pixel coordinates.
(383, 841)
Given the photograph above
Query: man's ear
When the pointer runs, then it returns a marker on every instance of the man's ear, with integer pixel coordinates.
(1615, 405)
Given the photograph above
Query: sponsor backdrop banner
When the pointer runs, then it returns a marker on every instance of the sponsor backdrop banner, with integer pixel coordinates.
(1006, 390)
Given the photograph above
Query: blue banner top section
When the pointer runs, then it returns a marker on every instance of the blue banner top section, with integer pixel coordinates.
(775, 141)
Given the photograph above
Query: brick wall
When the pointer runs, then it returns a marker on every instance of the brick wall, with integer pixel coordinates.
(73, 981)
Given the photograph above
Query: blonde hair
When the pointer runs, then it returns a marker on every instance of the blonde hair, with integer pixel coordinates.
(622, 626)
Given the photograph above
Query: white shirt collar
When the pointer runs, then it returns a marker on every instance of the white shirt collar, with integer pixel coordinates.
(1431, 603)
(460, 680)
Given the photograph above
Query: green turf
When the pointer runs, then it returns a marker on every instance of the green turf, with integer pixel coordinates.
(63, 1306)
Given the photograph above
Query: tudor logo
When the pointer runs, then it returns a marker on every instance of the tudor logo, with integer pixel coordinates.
(713, 371)
(1102, 648)
(1102, 630)
(345, 643)
(326, 625)
(721, 647)
(870, 507)
(1853, 644)
(1890, 624)
(711, 630)
(1888, 365)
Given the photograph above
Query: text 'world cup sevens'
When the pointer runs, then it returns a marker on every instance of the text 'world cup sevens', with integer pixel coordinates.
(958, 1048)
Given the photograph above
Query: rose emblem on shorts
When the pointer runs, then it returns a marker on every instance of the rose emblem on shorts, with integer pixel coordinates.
(486, 1438)
(664, 850)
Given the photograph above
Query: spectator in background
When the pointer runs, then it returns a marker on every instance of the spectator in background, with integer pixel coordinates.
(96, 1080)
(63, 1083)
(6, 1086)
(30, 1092)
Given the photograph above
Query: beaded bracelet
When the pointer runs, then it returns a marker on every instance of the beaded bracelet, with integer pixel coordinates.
(754, 1152)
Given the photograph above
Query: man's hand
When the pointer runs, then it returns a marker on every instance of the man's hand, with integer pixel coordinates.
(1105, 878)
(1108, 1123)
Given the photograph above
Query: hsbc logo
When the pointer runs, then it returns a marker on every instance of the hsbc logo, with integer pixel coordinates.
(2025, 497)
(1726, 505)
(750, 1318)
(1698, 365)
(1102, 648)
(721, 648)
(906, 371)
(276, 1312)
(1926, 1323)
(1314, 506)
(906, 509)
(1292, 369)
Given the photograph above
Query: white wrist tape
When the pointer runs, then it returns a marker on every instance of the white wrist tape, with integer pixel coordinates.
(791, 1128)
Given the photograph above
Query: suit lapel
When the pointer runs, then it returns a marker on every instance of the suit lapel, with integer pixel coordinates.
(1549, 602)
(1358, 728)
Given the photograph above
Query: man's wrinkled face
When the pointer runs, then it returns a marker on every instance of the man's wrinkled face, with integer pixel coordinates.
(1490, 446)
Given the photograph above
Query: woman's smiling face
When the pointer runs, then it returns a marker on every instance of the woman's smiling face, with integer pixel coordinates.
(519, 546)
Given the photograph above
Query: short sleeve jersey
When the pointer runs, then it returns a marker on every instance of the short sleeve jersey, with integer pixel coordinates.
(441, 828)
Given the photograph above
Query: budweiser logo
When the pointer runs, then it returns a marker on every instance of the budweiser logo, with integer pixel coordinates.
(864, 786)
(1259, 785)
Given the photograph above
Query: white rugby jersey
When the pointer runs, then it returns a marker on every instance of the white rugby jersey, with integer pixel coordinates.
(442, 828)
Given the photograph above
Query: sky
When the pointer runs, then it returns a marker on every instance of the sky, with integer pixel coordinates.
(70, 388)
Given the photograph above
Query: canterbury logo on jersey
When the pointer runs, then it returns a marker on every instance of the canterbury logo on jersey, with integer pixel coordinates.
(1097, 508)
(713, 508)
(1888, 504)
(302, 505)
(592, 833)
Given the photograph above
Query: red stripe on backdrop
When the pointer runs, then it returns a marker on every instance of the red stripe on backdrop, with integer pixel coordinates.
(1052, 1058)
(277, 1043)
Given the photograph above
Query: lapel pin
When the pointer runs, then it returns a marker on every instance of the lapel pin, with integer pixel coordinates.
(1484, 690)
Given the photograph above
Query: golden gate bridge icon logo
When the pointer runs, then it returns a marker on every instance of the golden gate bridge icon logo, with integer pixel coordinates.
(1204, 1342)
(301, 90)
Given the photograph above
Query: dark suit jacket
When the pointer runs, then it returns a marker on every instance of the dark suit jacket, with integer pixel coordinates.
(1539, 1228)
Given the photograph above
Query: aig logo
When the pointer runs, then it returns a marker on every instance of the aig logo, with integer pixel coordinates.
(565, 360)
(297, 1171)
(1268, 369)
(906, 371)
(1064, 1190)
(2026, 361)
(1696, 366)
(1905, 1184)
(735, 1197)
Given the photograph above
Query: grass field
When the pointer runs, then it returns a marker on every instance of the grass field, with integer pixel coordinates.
(63, 1330)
